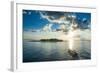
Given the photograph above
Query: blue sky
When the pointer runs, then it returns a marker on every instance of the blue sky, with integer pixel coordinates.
(33, 20)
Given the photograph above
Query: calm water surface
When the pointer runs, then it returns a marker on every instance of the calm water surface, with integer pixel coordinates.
(54, 51)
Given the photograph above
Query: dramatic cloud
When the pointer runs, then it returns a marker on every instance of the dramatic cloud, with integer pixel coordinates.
(53, 18)
(59, 19)
(64, 20)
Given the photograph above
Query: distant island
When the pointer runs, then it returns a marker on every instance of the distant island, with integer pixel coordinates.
(47, 40)
(51, 40)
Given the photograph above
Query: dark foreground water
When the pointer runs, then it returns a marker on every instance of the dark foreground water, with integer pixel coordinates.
(55, 51)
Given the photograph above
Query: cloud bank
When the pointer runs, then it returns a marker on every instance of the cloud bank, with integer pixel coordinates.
(64, 20)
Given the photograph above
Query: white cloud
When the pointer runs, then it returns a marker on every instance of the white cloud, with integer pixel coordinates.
(61, 21)
(47, 27)
(24, 12)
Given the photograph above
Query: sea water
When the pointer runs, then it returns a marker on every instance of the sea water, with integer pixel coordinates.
(55, 51)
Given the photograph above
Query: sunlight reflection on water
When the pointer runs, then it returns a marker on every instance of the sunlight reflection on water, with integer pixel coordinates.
(54, 51)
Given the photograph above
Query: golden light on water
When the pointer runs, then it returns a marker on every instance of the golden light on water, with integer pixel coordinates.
(71, 39)
(71, 42)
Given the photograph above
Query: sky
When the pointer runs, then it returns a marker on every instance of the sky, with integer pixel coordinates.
(35, 21)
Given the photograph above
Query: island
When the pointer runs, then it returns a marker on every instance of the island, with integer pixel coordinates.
(51, 40)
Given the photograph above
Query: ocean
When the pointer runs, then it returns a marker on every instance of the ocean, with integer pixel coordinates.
(55, 51)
